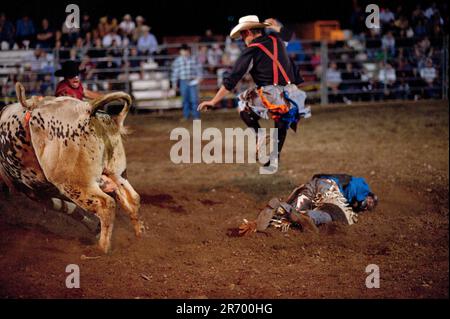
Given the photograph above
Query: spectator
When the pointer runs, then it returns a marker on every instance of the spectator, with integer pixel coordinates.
(45, 36)
(139, 30)
(208, 37)
(428, 73)
(147, 43)
(214, 57)
(111, 37)
(334, 80)
(187, 72)
(127, 26)
(25, 32)
(203, 55)
(357, 20)
(233, 52)
(431, 10)
(97, 51)
(103, 27)
(386, 17)
(388, 43)
(86, 26)
(351, 83)
(6, 32)
(386, 74)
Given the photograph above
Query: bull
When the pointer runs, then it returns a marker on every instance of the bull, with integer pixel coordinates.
(64, 148)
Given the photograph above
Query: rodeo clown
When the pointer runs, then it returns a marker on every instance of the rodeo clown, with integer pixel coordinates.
(325, 198)
(71, 84)
(276, 77)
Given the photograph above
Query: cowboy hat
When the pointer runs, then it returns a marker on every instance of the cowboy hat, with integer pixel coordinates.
(69, 69)
(247, 23)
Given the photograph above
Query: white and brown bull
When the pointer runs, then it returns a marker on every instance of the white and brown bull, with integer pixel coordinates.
(63, 148)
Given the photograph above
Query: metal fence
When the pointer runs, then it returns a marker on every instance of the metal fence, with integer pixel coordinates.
(337, 72)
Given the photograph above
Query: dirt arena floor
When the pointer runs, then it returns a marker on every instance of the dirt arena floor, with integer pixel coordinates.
(192, 210)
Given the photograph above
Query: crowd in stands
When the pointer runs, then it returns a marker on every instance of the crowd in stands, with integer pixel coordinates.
(402, 59)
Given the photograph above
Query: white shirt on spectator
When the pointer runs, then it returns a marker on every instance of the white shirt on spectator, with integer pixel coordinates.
(387, 42)
(109, 38)
(387, 75)
(147, 43)
(127, 26)
(333, 76)
(428, 74)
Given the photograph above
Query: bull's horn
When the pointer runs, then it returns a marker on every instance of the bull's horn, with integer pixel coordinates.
(20, 93)
(108, 98)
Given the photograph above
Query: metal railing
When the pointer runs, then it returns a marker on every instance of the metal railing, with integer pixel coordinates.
(360, 74)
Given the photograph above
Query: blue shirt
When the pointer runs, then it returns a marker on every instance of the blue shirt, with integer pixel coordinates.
(356, 191)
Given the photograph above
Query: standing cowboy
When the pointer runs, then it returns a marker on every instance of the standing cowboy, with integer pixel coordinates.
(187, 74)
(276, 77)
(71, 85)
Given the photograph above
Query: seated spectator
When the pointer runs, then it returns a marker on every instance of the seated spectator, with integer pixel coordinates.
(351, 83)
(233, 51)
(46, 36)
(214, 57)
(429, 76)
(388, 43)
(208, 37)
(111, 37)
(127, 26)
(388, 78)
(386, 74)
(386, 17)
(86, 26)
(139, 30)
(97, 51)
(203, 55)
(431, 10)
(25, 32)
(103, 26)
(147, 43)
(6, 32)
(87, 68)
(334, 80)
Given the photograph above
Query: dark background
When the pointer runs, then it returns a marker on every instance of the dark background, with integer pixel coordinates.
(176, 17)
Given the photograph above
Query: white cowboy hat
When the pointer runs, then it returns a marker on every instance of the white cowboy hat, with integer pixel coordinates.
(246, 23)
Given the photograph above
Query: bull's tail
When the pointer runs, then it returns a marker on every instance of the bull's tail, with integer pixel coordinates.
(21, 97)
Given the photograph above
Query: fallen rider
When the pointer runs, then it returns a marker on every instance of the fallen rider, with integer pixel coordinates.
(324, 199)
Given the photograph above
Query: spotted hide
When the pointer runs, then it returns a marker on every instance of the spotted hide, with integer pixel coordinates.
(63, 147)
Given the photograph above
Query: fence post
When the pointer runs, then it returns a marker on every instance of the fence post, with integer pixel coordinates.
(324, 64)
(126, 53)
(55, 64)
(445, 68)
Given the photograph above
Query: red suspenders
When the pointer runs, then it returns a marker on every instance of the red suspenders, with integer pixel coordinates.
(274, 57)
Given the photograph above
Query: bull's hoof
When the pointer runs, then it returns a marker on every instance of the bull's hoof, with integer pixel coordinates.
(139, 228)
(104, 247)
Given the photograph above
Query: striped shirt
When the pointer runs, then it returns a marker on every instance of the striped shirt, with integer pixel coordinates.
(186, 68)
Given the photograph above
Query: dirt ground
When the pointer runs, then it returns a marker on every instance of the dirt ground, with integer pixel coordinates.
(191, 210)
